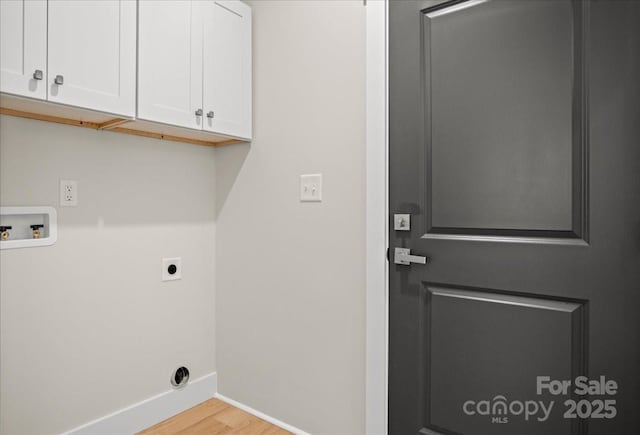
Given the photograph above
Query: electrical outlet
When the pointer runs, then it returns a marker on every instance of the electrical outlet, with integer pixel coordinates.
(311, 188)
(68, 193)
(171, 269)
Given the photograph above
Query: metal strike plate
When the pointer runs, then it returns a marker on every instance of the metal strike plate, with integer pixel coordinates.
(403, 256)
(402, 222)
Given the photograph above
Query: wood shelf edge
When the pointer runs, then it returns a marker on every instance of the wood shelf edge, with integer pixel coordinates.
(112, 123)
(117, 125)
(48, 118)
(172, 138)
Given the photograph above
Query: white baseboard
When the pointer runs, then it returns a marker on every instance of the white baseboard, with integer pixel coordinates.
(153, 410)
(261, 415)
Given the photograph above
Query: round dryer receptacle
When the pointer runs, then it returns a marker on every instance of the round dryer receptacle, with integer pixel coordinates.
(180, 377)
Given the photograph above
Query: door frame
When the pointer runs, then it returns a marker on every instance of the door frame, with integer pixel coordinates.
(377, 212)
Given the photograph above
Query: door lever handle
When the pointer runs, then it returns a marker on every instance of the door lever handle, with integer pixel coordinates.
(403, 256)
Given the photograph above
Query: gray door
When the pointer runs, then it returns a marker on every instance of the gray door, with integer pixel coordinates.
(515, 149)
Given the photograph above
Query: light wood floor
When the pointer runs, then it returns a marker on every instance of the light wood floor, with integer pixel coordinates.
(214, 417)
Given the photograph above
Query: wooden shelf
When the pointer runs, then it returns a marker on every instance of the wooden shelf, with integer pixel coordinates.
(51, 112)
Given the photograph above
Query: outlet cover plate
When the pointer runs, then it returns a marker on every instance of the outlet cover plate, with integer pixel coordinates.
(68, 193)
(166, 269)
(311, 188)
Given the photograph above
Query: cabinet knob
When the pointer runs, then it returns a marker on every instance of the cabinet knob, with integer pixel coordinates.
(199, 112)
(59, 80)
(210, 114)
(37, 74)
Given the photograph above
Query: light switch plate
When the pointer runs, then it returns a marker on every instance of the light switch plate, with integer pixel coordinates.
(311, 188)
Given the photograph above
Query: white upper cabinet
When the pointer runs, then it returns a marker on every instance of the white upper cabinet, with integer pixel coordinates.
(181, 67)
(194, 65)
(23, 47)
(227, 68)
(170, 62)
(80, 53)
(92, 54)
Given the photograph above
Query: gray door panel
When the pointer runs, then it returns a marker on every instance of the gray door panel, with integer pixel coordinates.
(515, 146)
(499, 106)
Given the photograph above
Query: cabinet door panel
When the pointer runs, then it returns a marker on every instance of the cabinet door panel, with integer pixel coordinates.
(23, 47)
(227, 68)
(92, 45)
(170, 62)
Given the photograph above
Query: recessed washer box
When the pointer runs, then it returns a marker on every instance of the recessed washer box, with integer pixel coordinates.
(21, 220)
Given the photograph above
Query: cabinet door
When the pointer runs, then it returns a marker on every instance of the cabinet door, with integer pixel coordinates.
(92, 52)
(23, 47)
(227, 68)
(170, 62)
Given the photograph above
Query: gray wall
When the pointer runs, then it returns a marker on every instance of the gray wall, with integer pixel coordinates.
(290, 281)
(87, 327)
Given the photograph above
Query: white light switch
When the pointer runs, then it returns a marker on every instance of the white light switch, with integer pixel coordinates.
(311, 188)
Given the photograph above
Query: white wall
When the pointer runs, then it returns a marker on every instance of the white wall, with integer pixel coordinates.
(86, 325)
(291, 277)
